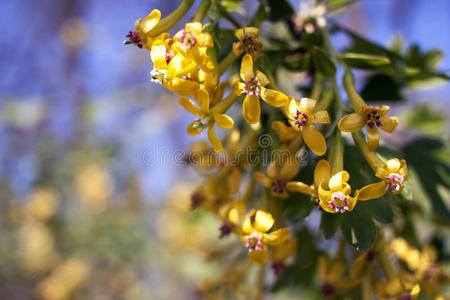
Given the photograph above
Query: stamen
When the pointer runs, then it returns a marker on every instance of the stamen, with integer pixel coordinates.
(278, 186)
(394, 182)
(254, 242)
(202, 122)
(338, 202)
(300, 119)
(188, 39)
(158, 76)
(252, 87)
(225, 230)
(133, 38)
(373, 119)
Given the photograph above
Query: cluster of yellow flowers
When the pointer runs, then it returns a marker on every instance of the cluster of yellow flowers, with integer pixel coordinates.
(187, 65)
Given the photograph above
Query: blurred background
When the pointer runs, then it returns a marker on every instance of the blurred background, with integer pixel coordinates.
(87, 210)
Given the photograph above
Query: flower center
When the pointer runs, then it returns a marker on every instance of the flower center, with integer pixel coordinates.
(327, 289)
(248, 44)
(133, 38)
(300, 119)
(373, 119)
(338, 202)
(158, 76)
(278, 186)
(169, 55)
(278, 267)
(252, 87)
(254, 242)
(188, 39)
(224, 229)
(202, 122)
(394, 182)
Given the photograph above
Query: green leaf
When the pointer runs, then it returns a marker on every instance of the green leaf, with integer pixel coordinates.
(297, 207)
(381, 87)
(323, 63)
(278, 9)
(365, 61)
(329, 224)
(358, 228)
(379, 209)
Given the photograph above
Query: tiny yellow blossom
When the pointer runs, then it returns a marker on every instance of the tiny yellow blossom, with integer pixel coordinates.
(248, 41)
(276, 179)
(192, 42)
(207, 118)
(253, 86)
(255, 236)
(375, 117)
(302, 118)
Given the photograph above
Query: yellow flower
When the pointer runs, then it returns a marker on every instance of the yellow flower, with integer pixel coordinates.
(282, 252)
(403, 286)
(170, 70)
(255, 236)
(276, 179)
(286, 134)
(254, 88)
(302, 118)
(331, 276)
(248, 41)
(192, 42)
(394, 175)
(142, 36)
(207, 118)
(374, 117)
(334, 191)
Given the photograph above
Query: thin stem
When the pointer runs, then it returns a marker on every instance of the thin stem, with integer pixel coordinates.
(366, 286)
(202, 10)
(224, 105)
(317, 86)
(336, 156)
(260, 283)
(225, 63)
(385, 260)
(349, 85)
(169, 21)
(372, 159)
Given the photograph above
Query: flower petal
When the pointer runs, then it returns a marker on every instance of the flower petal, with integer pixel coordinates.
(247, 68)
(293, 106)
(273, 97)
(247, 32)
(393, 165)
(203, 99)
(321, 117)
(289, 169)
(259, 257)
(158, 55)
(193, 130)
(307, 105)
(300, 187)
(183, 87)
(223, 120)
(190, 106)
(247, 226)
(276, 237)
(262, 78)
(373, 138)
(251, 109)
(352, 122)
(389, 124)
(263, 221)
(322, 173)
(216, 143)
(263, 179)
(272, 170)
(314, 140)
(338, 180)
(150, 21)
(372, 191)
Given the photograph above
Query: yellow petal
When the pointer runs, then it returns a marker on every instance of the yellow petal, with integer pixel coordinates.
(263, 221)
(372, 191)
(280, 128)
(190, 106)
(234, 181)
(352, 201)
(273, 97)
(262, 78)
(336, 271)
(276, 237)
(251, 109)
(393, 165)
(205, 40)
(237, 49)
(223, 120)
(272, 170)
(307, 105)
(289, 169)
(183, 87)
(322, 173)
(201, 57)
(389, 124)
(150, 21)
(338, 180)
(263, 179)
(352, 122)
(192, 130)
(321, 117)
(324, 197)
(300, 187)
(247, 32)
(373, 138)
(247, 68)
(214, 140)
(158, 55)
(259, 257)
(247, 226)
(322, 268)
(314, 140)
(195, 27)
(293, 106)
(203, 99)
